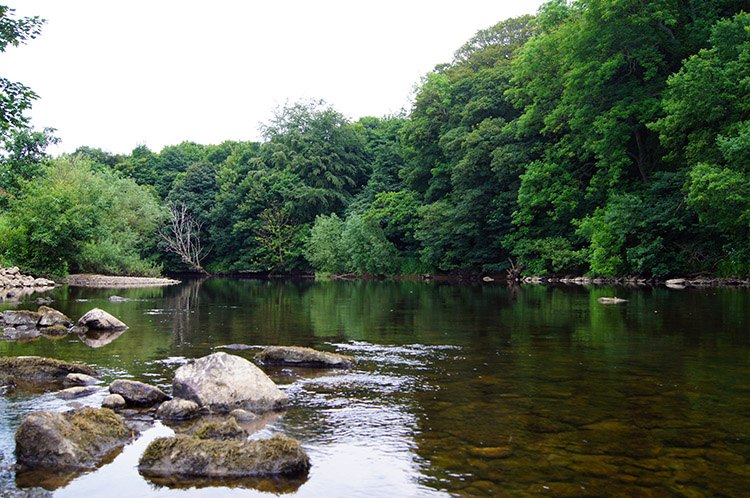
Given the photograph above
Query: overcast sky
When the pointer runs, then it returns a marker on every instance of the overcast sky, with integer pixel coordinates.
(118, 74)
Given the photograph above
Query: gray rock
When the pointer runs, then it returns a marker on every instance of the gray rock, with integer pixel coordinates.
(303, 357)
(100, 319)
(76, 439)
(189, 456)
(224, 382)
(40, 368)
(21, 317)
(76, 392)
(79, 379)
(50, 317)
(242, 415)
(118, 299)
(137, 393)
(178, 409)
(114, 402)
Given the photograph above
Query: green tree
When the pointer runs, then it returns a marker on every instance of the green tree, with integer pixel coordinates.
(15, 98)
(367, 249)
(324, 249)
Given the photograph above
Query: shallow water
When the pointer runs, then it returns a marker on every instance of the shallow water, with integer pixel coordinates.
(460, 390)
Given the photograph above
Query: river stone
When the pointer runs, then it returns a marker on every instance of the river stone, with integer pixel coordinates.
(303, 357)
(189, 456)
(242, 415)
(79, 379)
(40, 368)
(75, 439)
(178, 409)
(137, 393)
(76, 392)
(21, 317)
(50, 317)
(224, 382)
(114, 402)
(100, 319)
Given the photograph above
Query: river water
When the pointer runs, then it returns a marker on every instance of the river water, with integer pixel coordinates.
(460, 390)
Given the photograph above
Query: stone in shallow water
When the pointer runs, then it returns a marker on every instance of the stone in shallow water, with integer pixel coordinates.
(40, 368)
(303, 357)
(137, 393)
(178, 409)
(224, 382)
(74, 439)
(189, 456)
(101, 320)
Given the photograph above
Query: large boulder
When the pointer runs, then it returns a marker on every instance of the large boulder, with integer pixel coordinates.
(76, 439)
(224, 382)
(303, 357)
(137, 393)
(101, 320)
(189, 456)
(50, 317)
(40, 368)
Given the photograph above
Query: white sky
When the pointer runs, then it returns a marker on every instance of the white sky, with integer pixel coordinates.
(116, 74)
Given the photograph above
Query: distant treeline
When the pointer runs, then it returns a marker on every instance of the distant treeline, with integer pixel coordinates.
(601, 137)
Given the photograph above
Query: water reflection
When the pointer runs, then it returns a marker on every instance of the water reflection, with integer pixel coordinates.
(471, 390)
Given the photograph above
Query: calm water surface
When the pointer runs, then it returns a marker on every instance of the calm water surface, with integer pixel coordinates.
(460, 390)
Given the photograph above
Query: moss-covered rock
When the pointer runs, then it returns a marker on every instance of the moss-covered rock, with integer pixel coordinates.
(40, 368)
(226, 431)
(303, 357)
(75, 439)
(189, 456)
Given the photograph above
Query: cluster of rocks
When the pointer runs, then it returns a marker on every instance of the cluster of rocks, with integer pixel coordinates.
(674, 283)
(220, 384)
(15, 285)
(20, 325)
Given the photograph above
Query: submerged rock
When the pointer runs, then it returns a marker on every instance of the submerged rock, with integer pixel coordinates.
(303, 357)
(242, 415)
(74, 439)
(189, 456)
(224, 382)
(178, 409)
(101, 320)
(137, 393)
(77, 392)
(40, 368)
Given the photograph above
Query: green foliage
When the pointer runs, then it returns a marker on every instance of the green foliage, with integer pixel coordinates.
(324, 249)
(367, 249)
(71, 219)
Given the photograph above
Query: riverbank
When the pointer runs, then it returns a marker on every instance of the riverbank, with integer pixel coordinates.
(87, 280)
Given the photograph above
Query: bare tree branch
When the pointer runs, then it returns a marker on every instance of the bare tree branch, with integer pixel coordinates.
(183, 236)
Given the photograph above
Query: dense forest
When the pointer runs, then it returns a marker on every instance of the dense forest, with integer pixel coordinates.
(598, 137)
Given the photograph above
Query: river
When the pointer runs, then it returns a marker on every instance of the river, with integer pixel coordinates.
(460, 390)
